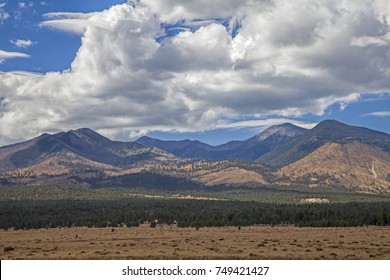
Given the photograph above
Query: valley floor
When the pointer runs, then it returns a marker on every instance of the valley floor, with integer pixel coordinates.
(170, 242)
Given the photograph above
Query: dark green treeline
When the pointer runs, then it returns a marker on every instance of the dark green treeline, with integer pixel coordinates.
(186, 213)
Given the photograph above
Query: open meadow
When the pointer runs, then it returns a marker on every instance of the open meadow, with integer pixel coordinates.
(171, 242)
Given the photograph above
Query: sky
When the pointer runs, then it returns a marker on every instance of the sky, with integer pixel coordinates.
(214, 71)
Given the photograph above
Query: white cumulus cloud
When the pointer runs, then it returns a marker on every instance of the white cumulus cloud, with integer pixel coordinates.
(286, 60)
(76, 23)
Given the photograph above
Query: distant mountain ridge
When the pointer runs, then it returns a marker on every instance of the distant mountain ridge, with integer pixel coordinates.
(325, 132)
(184, 148)
(249, 149)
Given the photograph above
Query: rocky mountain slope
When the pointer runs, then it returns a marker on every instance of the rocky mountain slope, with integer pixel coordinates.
(354, 165)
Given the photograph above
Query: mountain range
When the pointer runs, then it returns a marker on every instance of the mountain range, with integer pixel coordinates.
(250, 149)
(330, 154)
(84, 144)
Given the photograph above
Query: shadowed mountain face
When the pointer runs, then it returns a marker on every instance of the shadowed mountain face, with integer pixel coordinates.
(249, 149)
(84, 143)
(185, 148)
(27, 153)
(93, 146)
(325, 132)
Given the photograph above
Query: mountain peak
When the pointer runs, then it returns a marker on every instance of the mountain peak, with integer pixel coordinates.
(327, 131)
(284, 130)
(145, 137)
(86, 134)
(85, 130)
(333, 129)
(331, 123)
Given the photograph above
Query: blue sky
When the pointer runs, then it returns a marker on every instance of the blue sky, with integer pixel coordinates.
(51, 50)
(175, 69)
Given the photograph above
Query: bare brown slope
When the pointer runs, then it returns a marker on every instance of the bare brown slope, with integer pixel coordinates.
(214, 173)
(62, 163)
(353, 165)
(232, 176)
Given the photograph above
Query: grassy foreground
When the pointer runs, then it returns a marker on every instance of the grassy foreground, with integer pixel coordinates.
(170, 242)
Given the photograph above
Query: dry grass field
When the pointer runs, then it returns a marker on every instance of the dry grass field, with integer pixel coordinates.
(169, 242)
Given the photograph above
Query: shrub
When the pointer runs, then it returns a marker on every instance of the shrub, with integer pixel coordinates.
(8, 248)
